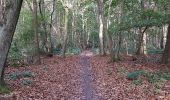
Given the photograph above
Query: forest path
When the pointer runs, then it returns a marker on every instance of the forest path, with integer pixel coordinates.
(87, 76)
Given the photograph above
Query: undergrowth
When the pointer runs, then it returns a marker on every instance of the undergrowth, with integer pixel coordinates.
(17, 75)
(156, 78)
(4, 89)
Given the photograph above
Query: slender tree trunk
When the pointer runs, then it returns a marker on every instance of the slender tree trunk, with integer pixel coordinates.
(101, 26)
(73, 29)
(55, 26)
(142, 42)
(163, 37)
(7, 28)
(83, 37)
(35, 24)
(109, 37)
(126, 46)
(65, 32)
(42, 13)
(166, 54)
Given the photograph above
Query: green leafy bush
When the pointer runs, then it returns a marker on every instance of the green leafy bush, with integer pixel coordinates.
(155, 78)
(14, 75)
(137, 82)
(27, 82)
(17, 75)
(28, 74)
(156, 51)
(74, 51)
(14, 53)
(135, 75)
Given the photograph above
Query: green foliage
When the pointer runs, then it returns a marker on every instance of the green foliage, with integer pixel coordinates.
(16, 63)
(14, 52)
(135, 75)
(28, 74)
(27, 82)
(137, 82)
(158, 76)
(156, 51)
(96, 51)
(4, 90)
(74, 51)
(18, 75)
(14, 56)
(14, 75)
(57, 50)
(155, 78)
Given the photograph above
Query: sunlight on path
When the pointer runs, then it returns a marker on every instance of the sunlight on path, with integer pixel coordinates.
(87, 54)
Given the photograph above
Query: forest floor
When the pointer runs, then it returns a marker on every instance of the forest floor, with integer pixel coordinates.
(87, 77)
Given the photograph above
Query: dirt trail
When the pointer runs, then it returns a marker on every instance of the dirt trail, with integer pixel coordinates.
(88, 90)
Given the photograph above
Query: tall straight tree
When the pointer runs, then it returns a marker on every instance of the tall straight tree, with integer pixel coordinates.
(101, 25)
(65, 32)
(35, 24)
(9, 14)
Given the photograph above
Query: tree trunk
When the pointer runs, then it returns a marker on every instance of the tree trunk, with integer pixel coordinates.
(7, 28)
(35, 24)
(43, 22)
(65, 32)
(163, 37)
(55, 32)
(83, 34)
(126, 46)
(101, 26)
(166, 54)
(142, 42)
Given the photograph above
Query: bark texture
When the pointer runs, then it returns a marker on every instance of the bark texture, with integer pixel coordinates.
(65, 32)
(166, 54)
(10, 11)
(142, 42)
(101, 25)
